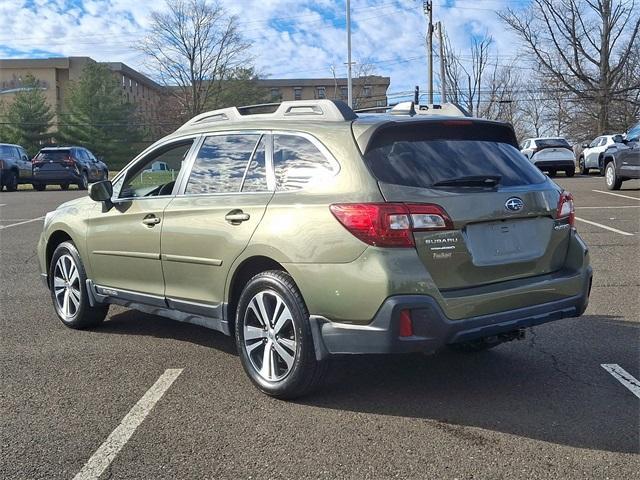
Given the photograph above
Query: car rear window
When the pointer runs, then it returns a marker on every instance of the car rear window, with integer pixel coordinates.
(55, 155)
(422, 155)
(552, 143)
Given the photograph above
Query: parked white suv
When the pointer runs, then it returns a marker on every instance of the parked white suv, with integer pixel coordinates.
(550, 154)
(593, 154)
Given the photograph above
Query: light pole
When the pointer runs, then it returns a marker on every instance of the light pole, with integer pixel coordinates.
(349, 79)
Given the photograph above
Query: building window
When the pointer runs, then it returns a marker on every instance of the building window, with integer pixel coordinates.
(381, 103)
(123, 81)
(297, 93)
(367, 91)
(321, 92)
(275, 94)
(344, 93)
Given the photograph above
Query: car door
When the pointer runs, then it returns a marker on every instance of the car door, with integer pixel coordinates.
(24, 165)
(629, 158)
(123, 241)
(592, 153)
(211, 221)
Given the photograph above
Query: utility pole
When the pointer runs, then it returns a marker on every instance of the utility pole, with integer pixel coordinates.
(428, 11)
(443, 80)
(349, 79)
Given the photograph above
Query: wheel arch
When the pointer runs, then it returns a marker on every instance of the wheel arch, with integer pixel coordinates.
(247, 269)
(56, 238)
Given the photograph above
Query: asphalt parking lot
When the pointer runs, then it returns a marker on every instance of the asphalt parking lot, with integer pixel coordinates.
(543, 407)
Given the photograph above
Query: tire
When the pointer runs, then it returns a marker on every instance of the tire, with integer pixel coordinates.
(552, 173)
(64, 186)
(40, 187)
(474, 346)
(84, 181)
(570, 173)
(69, 290)
(613, 181)
(293, 369)
(582, 166)
(11, 181)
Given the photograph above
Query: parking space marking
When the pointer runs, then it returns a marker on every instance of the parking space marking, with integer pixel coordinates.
(617, 195)
(105, 454)
(624, 377)
(604, 226)
(3, 204)
(2, 227)
(598, 208)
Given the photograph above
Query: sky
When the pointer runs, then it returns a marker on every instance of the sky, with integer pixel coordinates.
(290, 38)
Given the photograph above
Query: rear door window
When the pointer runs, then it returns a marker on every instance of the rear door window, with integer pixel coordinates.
(255, 180)
(297, 163)
(421, 155)
(221, 164)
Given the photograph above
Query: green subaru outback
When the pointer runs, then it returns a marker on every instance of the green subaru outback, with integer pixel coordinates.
(308, 231)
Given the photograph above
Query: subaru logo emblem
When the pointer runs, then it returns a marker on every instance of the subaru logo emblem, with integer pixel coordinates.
(514, 204)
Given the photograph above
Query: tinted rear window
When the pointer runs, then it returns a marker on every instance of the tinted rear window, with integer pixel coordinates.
(552, 143)
(419, 156)
(55, 155)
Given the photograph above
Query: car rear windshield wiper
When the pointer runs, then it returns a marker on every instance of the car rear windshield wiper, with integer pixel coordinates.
(470, 181)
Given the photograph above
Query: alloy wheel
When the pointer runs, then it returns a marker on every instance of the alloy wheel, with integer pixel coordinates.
(66, 286)
(269, 336)
(609, 175)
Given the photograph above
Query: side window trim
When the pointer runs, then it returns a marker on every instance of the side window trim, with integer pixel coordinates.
(253, 154)
(144, 157)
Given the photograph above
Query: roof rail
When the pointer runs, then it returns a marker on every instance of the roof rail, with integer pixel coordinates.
(410, 108)
(323, 110)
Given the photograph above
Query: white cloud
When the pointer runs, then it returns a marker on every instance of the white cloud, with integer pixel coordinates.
(291, 38)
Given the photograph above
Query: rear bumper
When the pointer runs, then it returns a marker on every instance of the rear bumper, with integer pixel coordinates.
(56, 176)
(555, 164)
(432, 329)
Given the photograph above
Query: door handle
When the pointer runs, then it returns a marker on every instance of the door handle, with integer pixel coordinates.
(151, 220)
(236, 217)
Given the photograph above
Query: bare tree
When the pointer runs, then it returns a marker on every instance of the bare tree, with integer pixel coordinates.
(362, 84)
(584, 45)
(194, 45)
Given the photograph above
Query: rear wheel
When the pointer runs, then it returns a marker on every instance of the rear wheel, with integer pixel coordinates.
(613, 181)
(84, 181)
(39, 186)
(552, 173)
(11, 181)
(274, 339)
(583, 167)
(570, 172)
(68, 286)
(64, 186)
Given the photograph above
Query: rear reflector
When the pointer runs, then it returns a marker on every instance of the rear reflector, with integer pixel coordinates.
(390, 224)
(566, 208)
(406, 325)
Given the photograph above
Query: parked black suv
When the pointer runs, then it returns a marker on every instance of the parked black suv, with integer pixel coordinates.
(66, 165)
(623, 163)
(15, 166)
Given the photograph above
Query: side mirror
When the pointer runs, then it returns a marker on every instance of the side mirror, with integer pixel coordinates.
(585, 145)
(101, 191)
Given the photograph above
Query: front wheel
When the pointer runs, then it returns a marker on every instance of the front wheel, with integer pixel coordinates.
(612, 180)
(552, 173)
(68, 286)
(274, 339)
(64, 186)
(39, 186)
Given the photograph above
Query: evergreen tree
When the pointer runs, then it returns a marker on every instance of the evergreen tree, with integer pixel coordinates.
(28, 117)
(98, 118)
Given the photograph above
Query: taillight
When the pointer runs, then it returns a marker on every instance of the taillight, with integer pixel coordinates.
(406, 325)
(68, 161)
(390, 224)
(566, 208)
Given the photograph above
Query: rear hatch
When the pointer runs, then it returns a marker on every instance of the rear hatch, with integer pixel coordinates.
(553, 149)
(502, 210)
(54, 160)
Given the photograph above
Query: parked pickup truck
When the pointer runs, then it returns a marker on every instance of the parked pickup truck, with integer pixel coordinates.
(15, 167)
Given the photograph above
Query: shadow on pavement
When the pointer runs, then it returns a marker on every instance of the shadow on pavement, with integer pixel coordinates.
(548, 387)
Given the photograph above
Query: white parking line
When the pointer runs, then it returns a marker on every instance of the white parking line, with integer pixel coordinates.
(604, 226)
(105, 454)
(617, 195)
(3, 204)
(598, 208)
(624, 377)
(2, 227)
